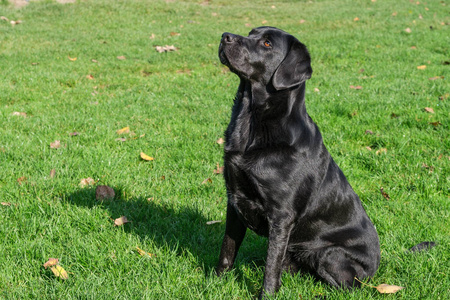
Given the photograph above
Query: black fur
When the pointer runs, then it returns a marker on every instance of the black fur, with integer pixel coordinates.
(281, 181)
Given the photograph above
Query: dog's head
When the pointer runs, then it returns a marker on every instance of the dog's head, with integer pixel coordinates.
(267, 55)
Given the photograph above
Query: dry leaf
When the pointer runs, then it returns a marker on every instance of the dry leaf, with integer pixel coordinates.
(5, 203)
(15, 22)
(74, 133)
(368, 148)
(52, 173)
(121, 57)
(394, 14)
(166, 48)
(436, 124)
(220, 141)
(120, 221)
(207, 180)
(423, 67)
(123, 130)
(144, 253)
(302, 21)
(21, 179)
(94, 60)
(87, 181)
(59, 272)
(4, 18)
(429, 109)
(90, 77)
(72, 59)
(174, 34)
(358, 87)
(21, 114)
(146, 157)
(213, 222)
(382, 150)
(51, 262)
(55, 145)
(356, 19)
(408, 30)
(436, 77)
(385, 195)
(388, 289)
(218, 170)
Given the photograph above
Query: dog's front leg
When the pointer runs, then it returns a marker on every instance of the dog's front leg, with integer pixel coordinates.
(234, 234)
(279, 232)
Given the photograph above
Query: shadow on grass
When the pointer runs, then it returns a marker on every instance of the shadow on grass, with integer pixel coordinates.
(183, 229)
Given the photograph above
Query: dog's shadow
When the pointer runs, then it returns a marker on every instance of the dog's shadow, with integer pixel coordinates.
(183, 229)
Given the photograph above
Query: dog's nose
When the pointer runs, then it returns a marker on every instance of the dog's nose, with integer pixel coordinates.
(228, 37)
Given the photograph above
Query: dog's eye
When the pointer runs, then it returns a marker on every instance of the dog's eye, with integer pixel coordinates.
(267, 44)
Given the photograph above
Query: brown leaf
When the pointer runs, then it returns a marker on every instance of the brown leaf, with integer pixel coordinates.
(21, 179)
(436, 124)
(87, 181)
(219, 169)
(90, 76)
(124, 130)
(72, 59)
(15, 22)
(51, 262)
(429, 109)
(316, 90)
(207, 180)
(146, 157)
(220, 141)
(59, 272)
(166, 48)
(94, 60)
(356, 19)
(55, 145)
(408, 30)
(422, 67)
(302, 21)
(388, 289)
(357, 87)
(436, 77)
(174, 34)
(120, 221)
(5, 203)
(368, 148)
(385, 195)
(382, 150)
(21, 114)
(52, 173)
(4, 18)
(394, 116)
(121, 57)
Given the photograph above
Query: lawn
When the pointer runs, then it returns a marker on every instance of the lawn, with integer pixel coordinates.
(77, 73)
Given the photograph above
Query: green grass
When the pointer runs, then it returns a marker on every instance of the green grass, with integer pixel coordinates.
(177, 105)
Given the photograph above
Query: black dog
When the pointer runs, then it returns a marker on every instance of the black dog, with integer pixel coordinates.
(281, 181)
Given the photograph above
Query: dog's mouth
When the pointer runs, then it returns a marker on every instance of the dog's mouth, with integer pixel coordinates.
(222, 56)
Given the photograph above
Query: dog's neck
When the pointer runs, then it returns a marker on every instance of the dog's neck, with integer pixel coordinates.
(266, 113)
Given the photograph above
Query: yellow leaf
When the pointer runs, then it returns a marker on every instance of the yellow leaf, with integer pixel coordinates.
(382, 150)
(143, 253)
(423, 67)
(146, 157)
(59, 272)
(87, 181)
(72, 59)
(55, 145)
(388, 289)
(220, 141)
(123, 130)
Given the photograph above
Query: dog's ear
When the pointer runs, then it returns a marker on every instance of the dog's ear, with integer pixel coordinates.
(294, 69)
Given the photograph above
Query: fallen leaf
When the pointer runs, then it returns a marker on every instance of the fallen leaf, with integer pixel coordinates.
(382, 150)
(385, 195)
(121, 57)
(90, 77)
(94, 60)
(152, 36)
(51, 262)
(394, 14)
(358, 87)
(220, 141)
(302, 21)
(174, 34)
(5, 203)
(59, 272)
(4, 18)
(408, 30)
(207, 180)
(72, 59)
(21, 114)
(146, 157)
(413, 47)
(55, 145)
(21, 179)
(121, 139)
(87, 181)
(422, 67)
(436, 124)
(394, 116)
(388, 289)
(429, 109)
(213, 222)
(74, 133)
(52, 173)
(166, 48)
(15, 22)
(120, 221)
(144, 253)
(436, 77)
(356, 19)
(443, 97)
(124, 130)
(368, 148)
(369, 132)
(316, 90)
(219, 169)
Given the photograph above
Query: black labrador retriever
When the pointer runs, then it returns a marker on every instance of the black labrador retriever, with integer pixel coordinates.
(281, 181)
